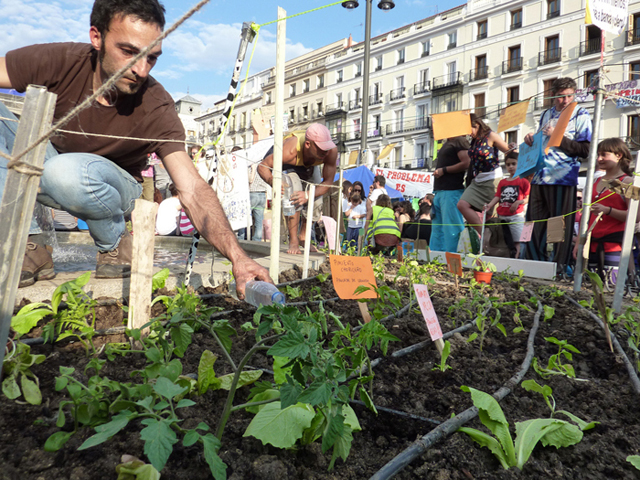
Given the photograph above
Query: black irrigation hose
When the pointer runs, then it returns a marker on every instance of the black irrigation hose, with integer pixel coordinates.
(398, 412)
(452, 425)
(399, 313)
(300, 280)
(312, 302)
(633, 375)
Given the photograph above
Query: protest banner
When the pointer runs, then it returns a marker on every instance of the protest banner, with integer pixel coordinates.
(412, 184)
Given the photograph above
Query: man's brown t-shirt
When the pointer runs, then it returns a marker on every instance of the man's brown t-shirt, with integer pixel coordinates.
(66, 69)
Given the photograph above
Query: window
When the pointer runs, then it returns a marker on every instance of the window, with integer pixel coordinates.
(268, 99)
(356, 98)
(633, 131)
(340, 74)
(377, 124)
(379, 63)
(592, 43)
(453, 40)
(292, 115)
(514, 62)
(552, 47)
(633, 34)
(452, 74)
(425, 48)
(553, 8)
(547, 88)
(398, 92)
(482, 29)
(320, 81)
(319, 109)
(634, 71)
(292, 90)
(422, 116)
(305, 86)
(398, 119)
(423, 82)
(356, 127)
(590, 78)
(516, 19)
(481, 71)
(513, 95)
(376, 93)
(338, 100)
(305, 112)
(400, 56)
(511, 137)
(359, 70)
(479, 104)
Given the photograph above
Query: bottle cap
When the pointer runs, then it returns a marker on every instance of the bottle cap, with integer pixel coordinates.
(278, 297)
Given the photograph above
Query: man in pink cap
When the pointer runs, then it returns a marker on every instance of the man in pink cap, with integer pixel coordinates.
(301, 152)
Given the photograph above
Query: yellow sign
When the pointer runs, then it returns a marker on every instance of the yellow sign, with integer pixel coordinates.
(386, 151)
(452, 124)
(513, 115)
(353, 157)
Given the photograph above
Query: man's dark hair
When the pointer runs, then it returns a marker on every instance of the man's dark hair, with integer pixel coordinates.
(380, 179)
(104, 11)
(562, 84)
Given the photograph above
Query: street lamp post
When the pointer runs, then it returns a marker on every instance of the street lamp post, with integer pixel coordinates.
(382, 5)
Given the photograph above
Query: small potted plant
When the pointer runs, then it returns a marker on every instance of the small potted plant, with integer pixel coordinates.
(483, 270)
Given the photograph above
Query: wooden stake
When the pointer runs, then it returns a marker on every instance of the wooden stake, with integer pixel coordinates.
(144, 221)
(364, 311)
(19, 199)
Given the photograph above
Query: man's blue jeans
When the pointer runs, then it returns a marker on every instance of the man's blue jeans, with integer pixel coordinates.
(258, 204)
(87, 186)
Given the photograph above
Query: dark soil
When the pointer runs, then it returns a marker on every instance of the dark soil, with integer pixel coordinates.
(407, 383)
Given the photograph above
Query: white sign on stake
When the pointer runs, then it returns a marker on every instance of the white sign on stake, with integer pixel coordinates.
(428, 312)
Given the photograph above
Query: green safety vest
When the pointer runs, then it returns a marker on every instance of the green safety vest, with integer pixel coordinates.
(383, 220)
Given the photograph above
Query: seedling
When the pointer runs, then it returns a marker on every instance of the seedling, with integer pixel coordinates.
(632, 328)
(484, 322)
(442, 366)
(556, 365)
(18, 377)
(293, 292)
(548, 431)
(482, 265)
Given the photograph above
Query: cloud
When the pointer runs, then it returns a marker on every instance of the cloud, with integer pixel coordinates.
(26, 22)
(207, 100)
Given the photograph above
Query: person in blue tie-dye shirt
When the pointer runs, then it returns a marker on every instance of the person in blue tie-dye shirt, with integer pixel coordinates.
(553, 188)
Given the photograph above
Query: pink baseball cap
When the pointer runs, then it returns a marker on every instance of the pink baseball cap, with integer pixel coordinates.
(320, 134)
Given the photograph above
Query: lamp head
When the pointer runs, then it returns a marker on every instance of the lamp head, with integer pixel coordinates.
(350, 4)
(385, 4)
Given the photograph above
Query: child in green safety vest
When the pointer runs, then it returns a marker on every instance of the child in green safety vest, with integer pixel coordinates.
(383, 233)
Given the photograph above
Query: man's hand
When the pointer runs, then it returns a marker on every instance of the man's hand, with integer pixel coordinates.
(597, 208)
(438, 173)
(548, 129)
(245, 270)
(528, 139)
(299, 198)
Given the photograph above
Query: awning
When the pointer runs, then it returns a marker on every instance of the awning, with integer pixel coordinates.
(386, 151)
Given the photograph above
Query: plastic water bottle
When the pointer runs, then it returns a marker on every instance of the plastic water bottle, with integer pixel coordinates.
(262, 293)
(288, 208)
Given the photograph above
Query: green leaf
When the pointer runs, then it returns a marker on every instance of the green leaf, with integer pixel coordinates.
(56, 441)
(289, 394)
(159, 439)
(532, 386)
(319, 392)
(137, 470)
(549, 312)
(190, 438)
(224, 332)
(292, 346)
(364, 396)
(10, 387)
(565, 435)
(279, 372)
(29, 316)
(185, 402)
(246, 378)
(181, 336)
(216, 465)
(206, 373)
(334, 429)
(584, 426)
(106, 431)
(500, 327)
(270, 394)
(488, 441)
(280, 428)
(350, 418)
(167, 389)
(159, 279)
(634, 460)
(31, 391)
(341, 448)
(472, 337)
(529, 433)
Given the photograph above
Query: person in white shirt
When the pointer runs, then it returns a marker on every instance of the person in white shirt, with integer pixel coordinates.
(378, 189)
(356, 214)
(169, 213)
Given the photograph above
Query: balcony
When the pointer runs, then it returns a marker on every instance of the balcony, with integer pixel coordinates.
(512, 65)
(553, 14)
(375, 99)
(449, 80)
(354, 136)
(633, 142)
(481, 36)
(420, 88)
(335, 107)
(590, 47)
(425, 54)
(402, 126)
(358, 74)
(397, 94)
(633, 38)
(339, 80)
(541, 103)
(480, 73)
(317, 114)
(516, 25)
(549, 56)
(452, 45)
(400, 61)
(375, 132)
(378, 68)
(355, 104)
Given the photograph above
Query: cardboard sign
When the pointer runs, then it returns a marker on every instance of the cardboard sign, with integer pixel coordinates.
(513, 115)
(561, 126)
(454, 263)
(452, 124)
(609, 16)
(348, 273)
(330, 228)
(529, 157)
(408, 247)
(527, 230)
(555, 230)
(428, 312)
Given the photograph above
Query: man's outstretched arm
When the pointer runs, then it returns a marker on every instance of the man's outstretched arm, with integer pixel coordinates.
(4, 74)
(205, 211)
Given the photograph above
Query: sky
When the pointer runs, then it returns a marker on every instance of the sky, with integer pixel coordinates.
(198, 58)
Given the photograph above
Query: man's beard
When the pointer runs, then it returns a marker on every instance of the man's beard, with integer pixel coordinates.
(121, 86)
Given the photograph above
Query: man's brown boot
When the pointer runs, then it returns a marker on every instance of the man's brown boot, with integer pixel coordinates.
(37, 264)
(117, 262)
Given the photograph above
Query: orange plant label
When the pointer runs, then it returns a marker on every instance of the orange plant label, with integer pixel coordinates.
(454, 263)
(348, 273)
(561, 126)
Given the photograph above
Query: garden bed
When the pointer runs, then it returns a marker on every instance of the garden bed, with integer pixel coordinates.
(406, 383)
